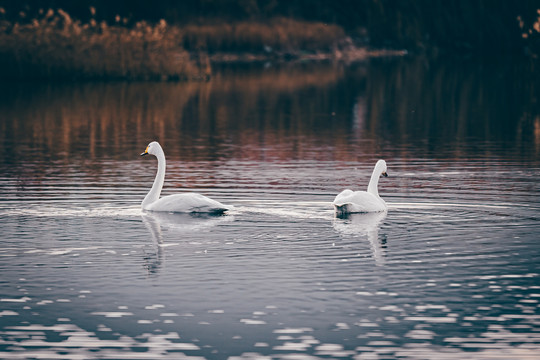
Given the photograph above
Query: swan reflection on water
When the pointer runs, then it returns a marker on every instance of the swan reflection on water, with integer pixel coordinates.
(364, 224)
(174, 224)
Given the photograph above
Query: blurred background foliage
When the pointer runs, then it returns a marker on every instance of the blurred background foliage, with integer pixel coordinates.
(465, 25)
(180, 40)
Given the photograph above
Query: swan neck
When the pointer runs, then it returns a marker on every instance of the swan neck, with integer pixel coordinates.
(155, 191)
(374, 182)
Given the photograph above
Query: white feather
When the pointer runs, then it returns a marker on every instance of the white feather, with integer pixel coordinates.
(348, 201)
(182, 203)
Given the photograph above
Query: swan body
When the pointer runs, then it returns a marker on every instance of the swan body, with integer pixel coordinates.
(348, 201)
(182, 203)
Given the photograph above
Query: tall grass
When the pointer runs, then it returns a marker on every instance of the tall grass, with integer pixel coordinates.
(277, 34)
(56, 46)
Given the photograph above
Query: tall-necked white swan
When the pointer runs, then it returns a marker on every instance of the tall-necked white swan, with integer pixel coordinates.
(184, 203)
(348, 201)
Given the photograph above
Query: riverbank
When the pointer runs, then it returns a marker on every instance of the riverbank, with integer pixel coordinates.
(54, 46)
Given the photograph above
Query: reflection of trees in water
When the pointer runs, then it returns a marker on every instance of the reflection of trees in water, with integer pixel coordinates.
(434, 104)
(196, 120)
(302, 111)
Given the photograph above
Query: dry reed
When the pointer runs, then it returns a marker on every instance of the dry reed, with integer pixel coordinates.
(57, 47)
(278, 34)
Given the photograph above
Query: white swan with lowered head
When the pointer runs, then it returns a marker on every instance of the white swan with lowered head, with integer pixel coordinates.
(183, 203)
(348, 201)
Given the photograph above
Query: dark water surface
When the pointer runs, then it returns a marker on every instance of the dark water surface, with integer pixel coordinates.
(452, 271)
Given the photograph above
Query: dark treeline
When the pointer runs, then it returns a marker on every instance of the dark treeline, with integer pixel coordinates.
(348, 13)
(490, 26)
(470, 25)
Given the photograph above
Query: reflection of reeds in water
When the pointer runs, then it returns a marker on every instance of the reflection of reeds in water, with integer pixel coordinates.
(430, 104)
(277, 114)
(56, 46)
(89, 118)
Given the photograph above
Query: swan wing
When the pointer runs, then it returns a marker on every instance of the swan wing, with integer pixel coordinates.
(343, 197)
(188, 203)
(358, 202)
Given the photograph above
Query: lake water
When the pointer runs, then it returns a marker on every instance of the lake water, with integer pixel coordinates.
(451, 271)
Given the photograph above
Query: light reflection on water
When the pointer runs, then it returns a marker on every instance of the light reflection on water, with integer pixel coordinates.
(450, 271)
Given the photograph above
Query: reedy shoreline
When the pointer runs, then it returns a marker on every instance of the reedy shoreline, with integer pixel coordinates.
(57, 47)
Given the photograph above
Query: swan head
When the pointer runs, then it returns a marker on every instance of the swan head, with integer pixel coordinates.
(381, 166)
(153, 148)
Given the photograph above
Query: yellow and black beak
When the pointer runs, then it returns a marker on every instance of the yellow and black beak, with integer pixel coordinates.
(145, 152)
(384, 174)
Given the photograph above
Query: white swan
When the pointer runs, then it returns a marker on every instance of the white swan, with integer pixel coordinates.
(184, 203)
(349, 201)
